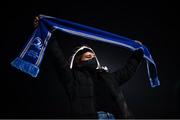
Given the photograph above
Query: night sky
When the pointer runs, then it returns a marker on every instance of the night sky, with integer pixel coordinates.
(22, 96)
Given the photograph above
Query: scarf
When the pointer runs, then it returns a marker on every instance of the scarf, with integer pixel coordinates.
(32, 54)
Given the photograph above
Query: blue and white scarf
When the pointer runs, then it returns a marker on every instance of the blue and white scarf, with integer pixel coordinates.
(30, 58)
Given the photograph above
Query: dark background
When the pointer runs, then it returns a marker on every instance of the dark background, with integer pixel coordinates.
(22, 96)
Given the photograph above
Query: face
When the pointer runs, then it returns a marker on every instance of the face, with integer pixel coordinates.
(87, 56)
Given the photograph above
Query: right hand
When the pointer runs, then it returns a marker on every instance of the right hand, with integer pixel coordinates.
(36, 21)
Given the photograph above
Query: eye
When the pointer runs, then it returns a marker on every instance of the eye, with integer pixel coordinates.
(88, 55)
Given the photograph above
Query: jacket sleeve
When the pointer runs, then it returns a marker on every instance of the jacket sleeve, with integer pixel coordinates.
(60, 62)
(124, 74)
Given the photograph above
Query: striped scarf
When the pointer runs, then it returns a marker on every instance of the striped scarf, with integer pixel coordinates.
(31, 56)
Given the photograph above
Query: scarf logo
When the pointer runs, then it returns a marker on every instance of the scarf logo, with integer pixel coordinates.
(36, 46)
(37, 43)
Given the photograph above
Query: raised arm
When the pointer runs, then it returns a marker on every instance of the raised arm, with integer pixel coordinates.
(60, 63)
(124, 74)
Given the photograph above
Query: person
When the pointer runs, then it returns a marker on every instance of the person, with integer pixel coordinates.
(92, 90)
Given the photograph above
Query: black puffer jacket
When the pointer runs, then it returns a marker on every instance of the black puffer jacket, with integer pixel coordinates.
(80, 84)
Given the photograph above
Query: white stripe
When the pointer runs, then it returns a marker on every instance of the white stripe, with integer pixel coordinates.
(41, 16)
(94, 37)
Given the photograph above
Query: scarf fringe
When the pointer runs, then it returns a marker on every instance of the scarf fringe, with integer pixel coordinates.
(25, 66)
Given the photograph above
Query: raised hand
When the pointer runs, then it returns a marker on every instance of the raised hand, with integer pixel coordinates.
(36, 21)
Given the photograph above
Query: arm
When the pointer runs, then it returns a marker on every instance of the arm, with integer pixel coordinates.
(124, 74)
(60, 62)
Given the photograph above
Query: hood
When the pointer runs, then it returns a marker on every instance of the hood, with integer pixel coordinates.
(82, 48)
